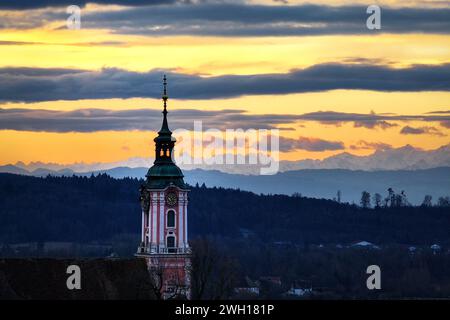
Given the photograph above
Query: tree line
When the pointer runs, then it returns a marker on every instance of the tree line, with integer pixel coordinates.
(102, 209)
(394, 200)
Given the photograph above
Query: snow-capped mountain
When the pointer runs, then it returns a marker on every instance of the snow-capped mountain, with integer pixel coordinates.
(403, 158)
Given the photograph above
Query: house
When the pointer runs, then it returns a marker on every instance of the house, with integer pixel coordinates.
(299, 292)
(435, 248)
(300, 288)
(247, 291)
(248, 288)
(365, 244)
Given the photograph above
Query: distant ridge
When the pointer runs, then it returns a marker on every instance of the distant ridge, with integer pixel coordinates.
(316, 183)
(416, 171)
(403, 158)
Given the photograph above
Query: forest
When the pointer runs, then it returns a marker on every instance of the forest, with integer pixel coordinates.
(241, 239)
(100, 208)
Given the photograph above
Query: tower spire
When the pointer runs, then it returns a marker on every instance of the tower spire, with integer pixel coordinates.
(165, 97)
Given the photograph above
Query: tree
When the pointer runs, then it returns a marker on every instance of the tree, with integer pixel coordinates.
(377, 200)
(403, 199)
(339, 194)
(395, 200)
(365, 199)
(213, 273)
(444, 202)
(427, 201)
(391, 199)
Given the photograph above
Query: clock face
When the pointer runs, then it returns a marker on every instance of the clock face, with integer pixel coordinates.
(171, 198)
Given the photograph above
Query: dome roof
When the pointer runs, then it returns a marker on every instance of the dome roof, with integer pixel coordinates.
(160, 176)
(164, 170)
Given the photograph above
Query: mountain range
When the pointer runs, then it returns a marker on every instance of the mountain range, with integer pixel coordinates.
(415, 171)
(316, 183)
(403, 158)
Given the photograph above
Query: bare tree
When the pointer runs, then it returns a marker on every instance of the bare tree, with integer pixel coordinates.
(365, 200)
(395, 200)
(403, 199)
(213, 273)
(427, 201)
(377, 200)
(156, 279)
(391, 199)
(444, 201)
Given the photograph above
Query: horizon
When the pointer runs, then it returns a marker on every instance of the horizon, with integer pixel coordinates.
(147, 161)
(95, 98)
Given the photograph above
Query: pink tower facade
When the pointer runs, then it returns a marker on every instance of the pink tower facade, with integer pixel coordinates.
(164, 231)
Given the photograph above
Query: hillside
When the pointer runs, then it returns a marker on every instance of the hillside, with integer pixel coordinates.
(316, 183)
(81, 209)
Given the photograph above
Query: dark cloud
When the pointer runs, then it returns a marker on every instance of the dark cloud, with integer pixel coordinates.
(369, 120)
(370, 145)
(89, 44)
(14, 72)
(89, 120)
(222, 18)
(341, 117)
(34, 4)
(309, 144)
(17, 43)
(228, 19)
(421, 130)
(439, 112)
(371, 124)
(31, 85)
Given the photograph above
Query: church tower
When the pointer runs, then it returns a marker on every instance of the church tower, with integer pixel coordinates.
(164, 232)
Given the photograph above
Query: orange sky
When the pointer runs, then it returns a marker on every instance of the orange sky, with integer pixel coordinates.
(217, 56)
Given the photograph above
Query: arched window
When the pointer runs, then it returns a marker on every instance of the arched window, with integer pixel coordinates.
(170, 244)
(171, 219)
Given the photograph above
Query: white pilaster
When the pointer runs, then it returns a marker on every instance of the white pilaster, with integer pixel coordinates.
(142, 227)
(185, 203)
(153, 217)
(180, 222)
(161, 219)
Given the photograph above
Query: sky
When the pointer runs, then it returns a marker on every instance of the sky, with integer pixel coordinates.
(313, 71)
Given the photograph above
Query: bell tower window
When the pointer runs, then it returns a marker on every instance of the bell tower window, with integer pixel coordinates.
(170, 244)
(171, 219)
